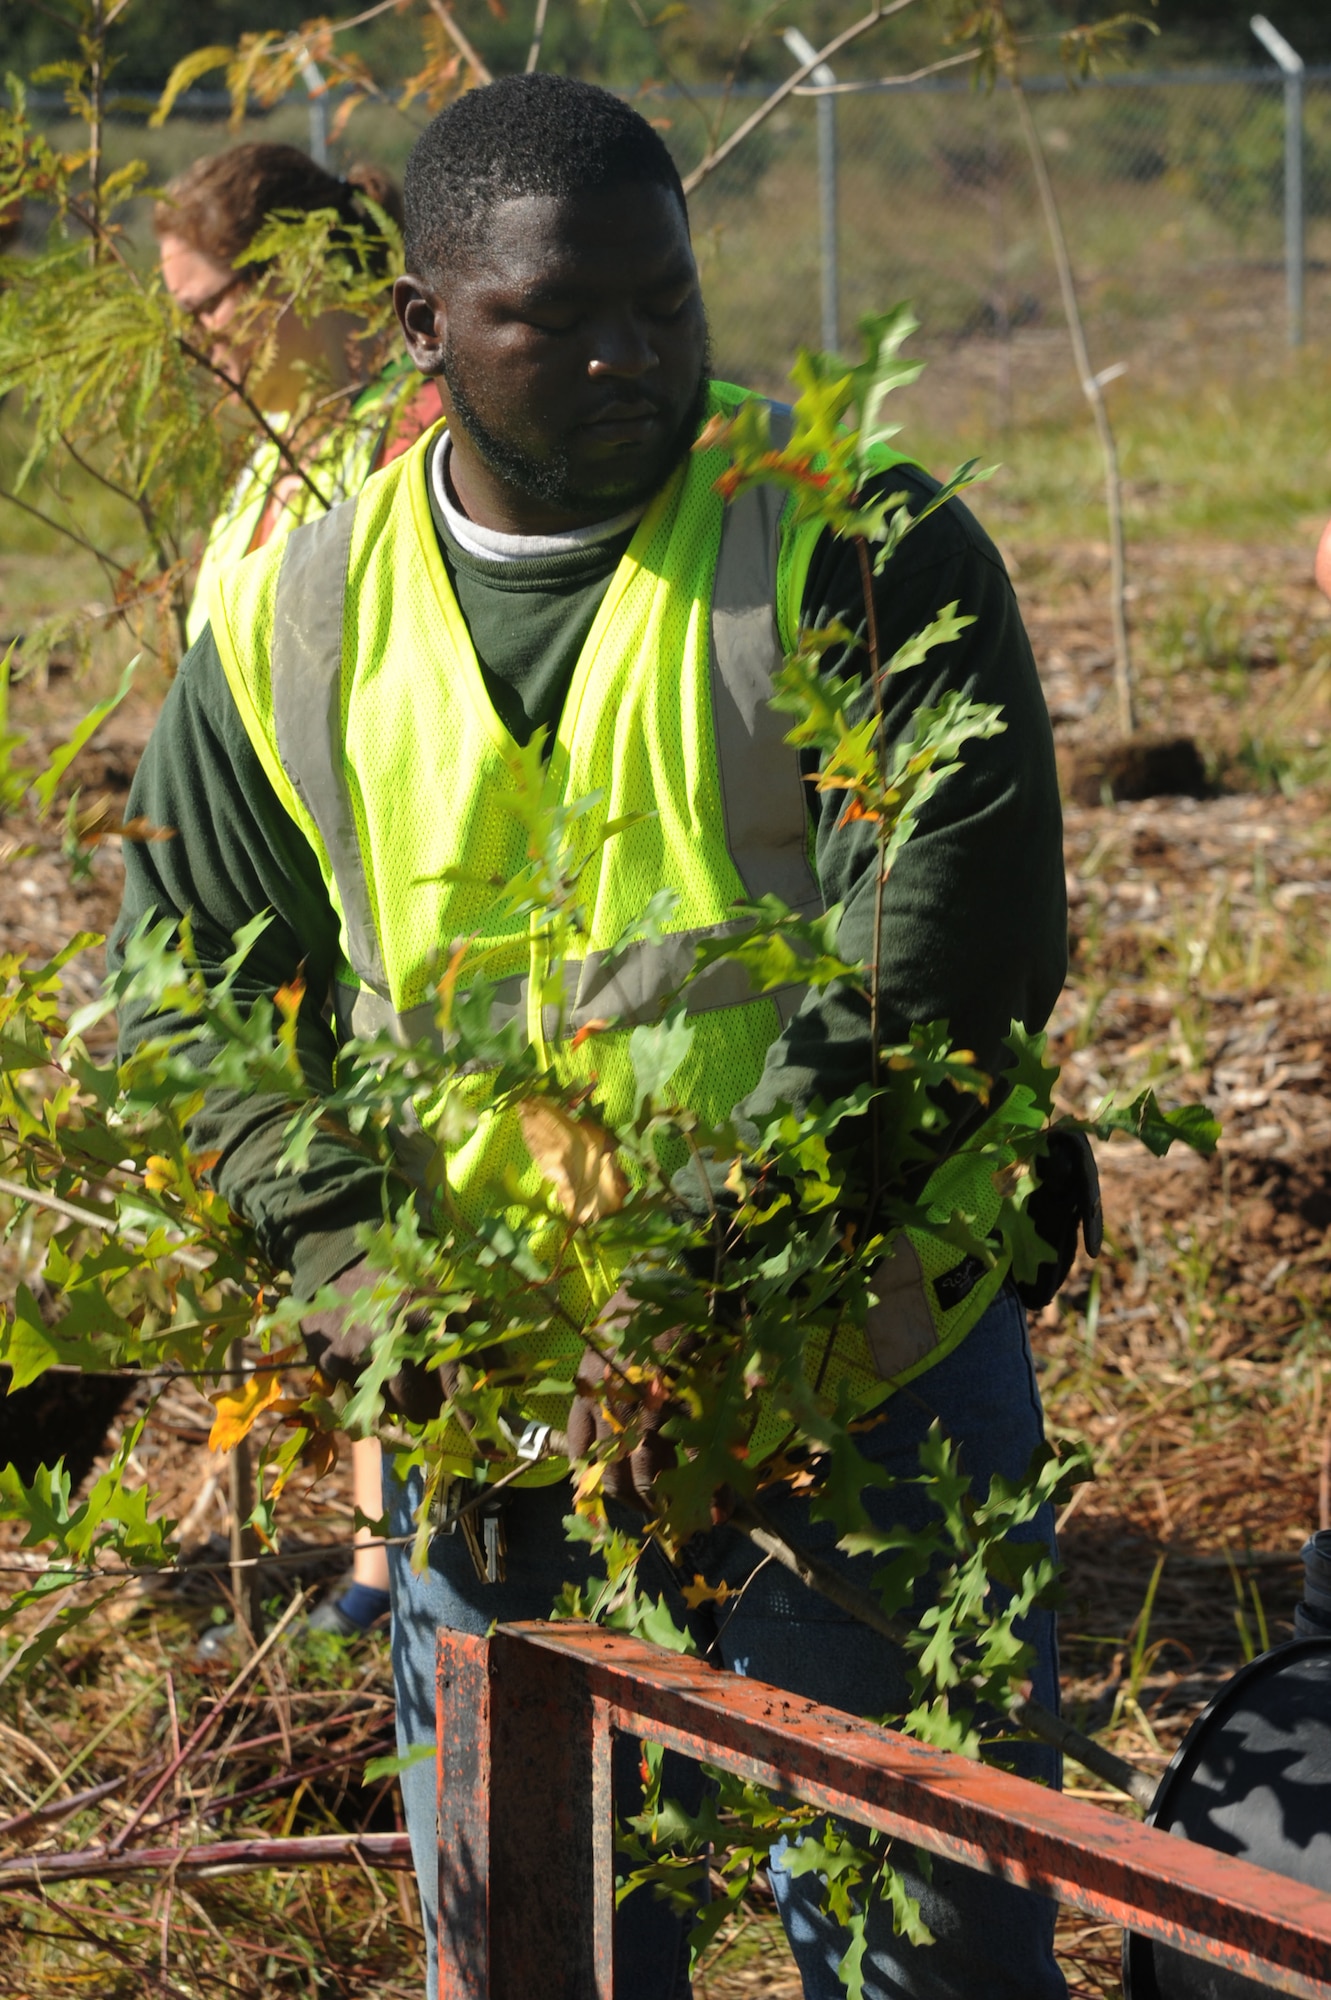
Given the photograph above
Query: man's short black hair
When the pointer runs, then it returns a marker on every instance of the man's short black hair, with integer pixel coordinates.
(522, 135)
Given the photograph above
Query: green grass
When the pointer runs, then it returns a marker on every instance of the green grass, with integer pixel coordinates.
(1216, 451)
(44, 576)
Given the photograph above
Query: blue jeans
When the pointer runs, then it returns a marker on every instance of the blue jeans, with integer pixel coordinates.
(992, 1941)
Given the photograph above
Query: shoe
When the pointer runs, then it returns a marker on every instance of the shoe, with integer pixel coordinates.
(356, 1610)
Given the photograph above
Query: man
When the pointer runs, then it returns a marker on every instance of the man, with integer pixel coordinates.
(549, 559)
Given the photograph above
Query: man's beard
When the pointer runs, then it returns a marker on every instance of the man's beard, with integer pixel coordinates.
(551, 480)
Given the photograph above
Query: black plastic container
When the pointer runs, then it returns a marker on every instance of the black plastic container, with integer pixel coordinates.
(1252, 1777)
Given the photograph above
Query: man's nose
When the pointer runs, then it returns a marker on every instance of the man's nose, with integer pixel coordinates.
(623, 347)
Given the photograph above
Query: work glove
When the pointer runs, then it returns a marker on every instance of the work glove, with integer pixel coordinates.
(1066, 1202)
(338, 1344)
(606, 1409)
(599, 1416)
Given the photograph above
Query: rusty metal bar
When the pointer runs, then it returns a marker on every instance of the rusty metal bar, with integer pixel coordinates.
(525, 1858)
(815, 1573)
(526, 1866)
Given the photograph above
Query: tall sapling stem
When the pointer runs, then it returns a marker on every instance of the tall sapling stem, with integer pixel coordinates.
(1093, 389)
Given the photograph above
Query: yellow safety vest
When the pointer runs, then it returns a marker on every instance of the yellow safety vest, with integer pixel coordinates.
(338, 464)
(355, 675)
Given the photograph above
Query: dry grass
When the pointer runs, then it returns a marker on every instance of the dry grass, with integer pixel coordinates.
(286, 1757)
(118, 1702)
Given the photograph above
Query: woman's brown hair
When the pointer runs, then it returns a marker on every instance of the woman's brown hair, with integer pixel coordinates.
(219, 204)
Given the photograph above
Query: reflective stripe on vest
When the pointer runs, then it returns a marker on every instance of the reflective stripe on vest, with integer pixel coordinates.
(762, 787)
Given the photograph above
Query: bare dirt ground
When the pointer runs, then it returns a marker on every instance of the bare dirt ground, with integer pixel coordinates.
(1193, 1356)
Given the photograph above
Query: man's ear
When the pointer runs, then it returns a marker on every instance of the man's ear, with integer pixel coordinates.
(424, 321)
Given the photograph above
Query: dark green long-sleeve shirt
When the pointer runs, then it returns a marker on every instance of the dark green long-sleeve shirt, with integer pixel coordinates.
(975, 924)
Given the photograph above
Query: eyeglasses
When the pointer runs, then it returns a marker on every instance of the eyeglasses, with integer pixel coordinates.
(203, 308)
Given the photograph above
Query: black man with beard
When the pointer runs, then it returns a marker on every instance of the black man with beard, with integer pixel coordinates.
(555, 556)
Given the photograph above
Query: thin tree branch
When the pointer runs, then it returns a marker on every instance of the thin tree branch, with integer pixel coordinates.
(537, 36)
(51, 13)
(359, 20)
(295, 1775)
(150, 1976)
(44, 1624)
(274, 436)
(880, 853)
(107, 562)
(465, 48)
(231, 1857)
(60, 1808)
(100, 233)
(88, 1218)
(1092, 389)
(167, 565)
(673, 77)
(887, 82)
(296, 43)
(732, 74)
(164, 560)
(907, 77)
(206, 1727)
(111, 485)
(778, 96)
(96, 88)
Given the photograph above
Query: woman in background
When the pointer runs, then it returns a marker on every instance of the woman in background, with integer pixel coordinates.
(204, 223)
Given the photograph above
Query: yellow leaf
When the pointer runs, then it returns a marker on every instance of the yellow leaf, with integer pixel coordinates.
(715, 433)
(577, 1157)
(238, 1408)
(597, 1027)
(187, 71)
(289, 997)
(342, 116)
(587, 1495)
(700, 1592)
(448, 984)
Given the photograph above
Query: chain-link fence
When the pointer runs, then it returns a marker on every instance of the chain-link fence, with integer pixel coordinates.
(1172, 188)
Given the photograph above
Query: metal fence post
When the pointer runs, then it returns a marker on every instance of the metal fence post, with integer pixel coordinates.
(312, 78)
(526, 1865)
(803, 51)
(827, 187)
(1291, 65)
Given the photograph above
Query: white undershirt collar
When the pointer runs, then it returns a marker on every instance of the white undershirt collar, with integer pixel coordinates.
(494, 546)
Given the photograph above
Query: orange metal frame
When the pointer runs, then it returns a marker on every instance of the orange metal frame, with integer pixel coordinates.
(526, 1865)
